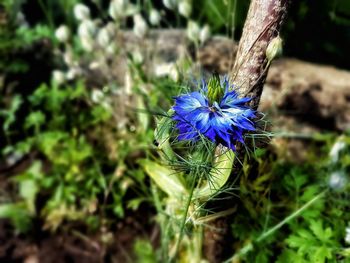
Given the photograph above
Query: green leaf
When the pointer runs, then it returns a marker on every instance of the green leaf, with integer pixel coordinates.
(290, 256)
(165, 178)
(35, 119)
(10, 114)
(144, 252)
(321, 254)
(18, 214)
(219, 175)
(28, 190)
(162, 135)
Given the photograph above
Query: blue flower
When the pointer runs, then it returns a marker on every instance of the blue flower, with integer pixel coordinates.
(215, 112)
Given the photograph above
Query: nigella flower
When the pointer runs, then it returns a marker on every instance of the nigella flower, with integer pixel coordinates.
(215, 112)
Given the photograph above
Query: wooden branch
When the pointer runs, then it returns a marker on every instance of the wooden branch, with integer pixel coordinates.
(263, 23)
(249, 72)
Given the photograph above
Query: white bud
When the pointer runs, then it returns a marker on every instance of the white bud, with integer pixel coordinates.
(137, 57)
(154, 17)
(140, 26)
(111, 49)
(170, 4)
(274, 49)
(68, 57)
(21, 20)
(13, 158)
(174, 74)
(347, 235)
(120, 8)
(185, 8)
(73, 73)
(336, 149)
(87, 43)
(193, 31)
(86, 28)
(97, 96)
(204, 34)
(94, 65)
(111, 29)
(62, 33)
(337, 180)
(128, 83)
(81, 12)
(103, 37)
(167, 69)
(58, 76)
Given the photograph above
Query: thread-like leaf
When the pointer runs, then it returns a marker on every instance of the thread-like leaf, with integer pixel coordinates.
(218, 175)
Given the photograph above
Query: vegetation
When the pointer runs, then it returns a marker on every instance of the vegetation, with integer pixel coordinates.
(84, 144)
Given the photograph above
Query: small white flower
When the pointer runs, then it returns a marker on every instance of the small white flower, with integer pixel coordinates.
(137, 57)
(94, 65)
(111, 49)
(121, 8)
(336, 149)
(128, 83)
(116, 8)
(170, 4)
(21, 20)
(87, 43)
(140, 26)
(13, 158)
(204, 34)
(87, 28)
(154, 17)
(111, 29)
(58, 76)
(337, 180)
(73, 73)
(62, 33)
(68, 57)
(274, 48)
(193, 31)
(167, 69)
(103, 37)
(126, 183)
(97, 96)
(347, 235)
(185, 8)
(81, 12)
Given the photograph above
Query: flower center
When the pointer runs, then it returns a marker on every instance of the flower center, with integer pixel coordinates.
(215, 90)
(213, 109)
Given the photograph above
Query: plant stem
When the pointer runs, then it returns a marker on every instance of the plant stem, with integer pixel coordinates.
(183, 223)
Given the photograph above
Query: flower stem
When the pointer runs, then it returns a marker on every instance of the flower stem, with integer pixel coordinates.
(183, 223)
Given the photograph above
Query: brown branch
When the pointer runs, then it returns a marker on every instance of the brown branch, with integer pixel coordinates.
(263, 23)
(249, 72)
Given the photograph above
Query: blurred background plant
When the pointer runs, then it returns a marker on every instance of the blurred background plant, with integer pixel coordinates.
(78, 98)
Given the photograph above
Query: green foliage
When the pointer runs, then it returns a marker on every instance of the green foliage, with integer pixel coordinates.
(18, 215)
(222, 15)
(144, 252)
(15, 39)
(73, 171)
(272, 190)
(9, 115)
(314, 245)
(82, 168)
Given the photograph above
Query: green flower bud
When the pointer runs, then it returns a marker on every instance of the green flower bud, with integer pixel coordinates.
(215, 90)
(274, 49)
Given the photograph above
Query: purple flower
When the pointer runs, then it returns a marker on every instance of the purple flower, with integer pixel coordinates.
(215, 112)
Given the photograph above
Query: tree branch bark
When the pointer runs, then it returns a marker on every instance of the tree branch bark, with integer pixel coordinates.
(249, 72)
(263, 24)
